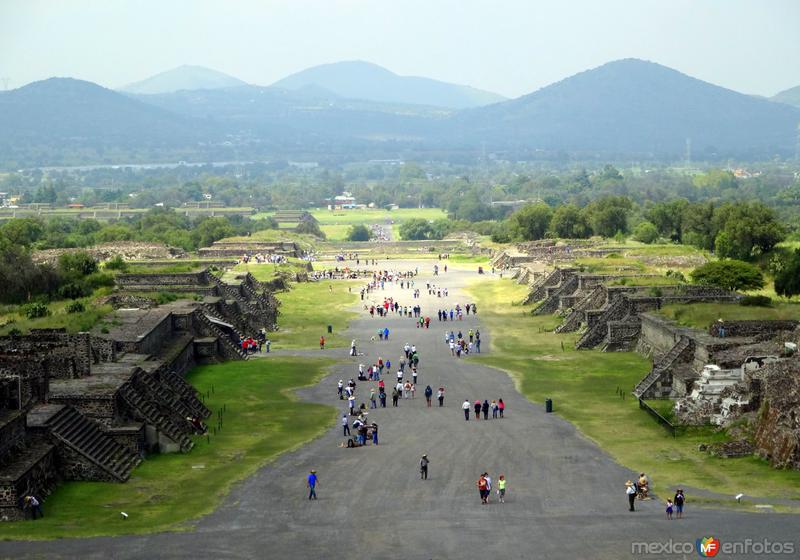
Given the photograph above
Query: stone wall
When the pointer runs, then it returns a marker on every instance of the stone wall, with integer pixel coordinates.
(100, 408)
(74, 466)
(36, 475)
(12, 435)
(136, 281)
(69, 355)
(130, 437)
(778, 430)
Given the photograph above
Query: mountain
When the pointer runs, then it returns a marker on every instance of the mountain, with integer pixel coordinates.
(363, 80)
(635, 107)
(43, 121)
(789, 96)
(183, 77)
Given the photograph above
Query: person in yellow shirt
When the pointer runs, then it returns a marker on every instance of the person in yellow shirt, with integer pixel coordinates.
(501, 488)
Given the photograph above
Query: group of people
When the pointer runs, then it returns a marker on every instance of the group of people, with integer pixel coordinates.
(458, 344)
(261, 258)
(251, 345)
(497, 408)
(640, 489)
(484, 485)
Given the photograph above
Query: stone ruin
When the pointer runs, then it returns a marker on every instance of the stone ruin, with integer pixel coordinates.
(128, 250)
(548, 251)
(609, 315)
(89, 406)
(237, 249)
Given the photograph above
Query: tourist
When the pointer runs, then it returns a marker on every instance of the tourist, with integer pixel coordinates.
(466, 407)
(322, 343)
(630, 490)
(501, 407)
(485, 408)
(372, 401)
(494, 409)
(440, 396)
(643, 487)
(501, 489)
(407, 390)
(386, 333)
(340, 389)
(382, 396)
(345, 426)
(423, 467)
(30, 502)
(399, 376)
(478, 406)
(395, 396)
(669, 509)
(312, 485)
(374, 433)
(679, 501)
(481, 484)
(351, 401)
(353, 348)
(414, 375)
(488, 486)
(267, 344)
(428, 395)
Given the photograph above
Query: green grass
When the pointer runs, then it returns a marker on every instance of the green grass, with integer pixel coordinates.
(701, 315)
(59, 319)
(266, 271)
(477, 259)
(374, 215)
(610, 264)
(172, 268)
(166, 492)
(648, 281)
(335, 232)
(583, 386)
(309, 307)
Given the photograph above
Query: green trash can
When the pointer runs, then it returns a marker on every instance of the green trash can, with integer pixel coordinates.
(330, 329)
(548, 405)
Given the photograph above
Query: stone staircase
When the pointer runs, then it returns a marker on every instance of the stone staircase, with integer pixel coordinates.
(85, 437)
(229, 348)
(677, 352)
(595, 334)
(538, 291)
(572, 322)
(187, 393)
(552, 297)
(153, 415)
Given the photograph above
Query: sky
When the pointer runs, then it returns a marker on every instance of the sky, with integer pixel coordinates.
(511, 47)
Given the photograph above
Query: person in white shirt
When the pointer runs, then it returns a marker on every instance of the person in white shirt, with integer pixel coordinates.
(466, 406)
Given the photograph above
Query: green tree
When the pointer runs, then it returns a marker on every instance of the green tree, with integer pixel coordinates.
(646, 232)
(76, 264)
(609, 215)
(716, 179)
(787, 279)
(668, 217)
(415, 228)
(531, 222)
(358, 232)
(698, 225)
(746, 230)
(568, 222)
(729, 274)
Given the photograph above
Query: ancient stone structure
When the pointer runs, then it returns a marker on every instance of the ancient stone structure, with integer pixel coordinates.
(777, 434)
(128, 250)
(88, 406)
(238, 249)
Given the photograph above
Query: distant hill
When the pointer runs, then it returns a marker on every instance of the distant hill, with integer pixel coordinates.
(56, 116)
(789, 96)
(183, 77)
(364, 80)
(635, 107)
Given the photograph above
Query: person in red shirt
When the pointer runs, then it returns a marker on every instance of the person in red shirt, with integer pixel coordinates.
(322, 343)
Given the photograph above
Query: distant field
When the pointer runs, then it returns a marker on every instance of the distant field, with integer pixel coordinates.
(374, 215)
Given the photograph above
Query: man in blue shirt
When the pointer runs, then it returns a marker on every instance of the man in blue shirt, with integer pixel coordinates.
(312, 485)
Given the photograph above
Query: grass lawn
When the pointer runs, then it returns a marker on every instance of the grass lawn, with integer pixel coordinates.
(59, 318)
(335, 232)
(701, 315)
(167, 491)
(308, 308)
(374, 215)
(583, 387)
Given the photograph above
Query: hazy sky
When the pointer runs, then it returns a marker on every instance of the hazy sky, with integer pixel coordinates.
(509, 46)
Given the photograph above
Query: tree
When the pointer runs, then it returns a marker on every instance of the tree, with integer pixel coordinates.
(531, 222)
(787, 279)
(698, 225)
(668, 217)
(358, 232)
(568, 222)
(76, 264)
(646, 232)
(746, 230)
(415, 228)
(729, 274)
(717, 179)
(609, 215)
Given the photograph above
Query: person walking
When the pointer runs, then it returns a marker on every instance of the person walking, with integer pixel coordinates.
(501, 489)
(494, 409)
(395, 396)
(630, 490)
(478, 407)
(375, 433)
(312, 485)
(679, 501)
(340, 389)
(351, 401)
(414, 376)
(372, 401)
(382, 397)
(440, 396)
(501, 407)
(322, 343)
(488, 486)
(353, 348)
(423, 467)
(669, 509)
(481, 484)
(413, 390)
(466, 407)
(428, 395)
(345, 426)
(485, 408)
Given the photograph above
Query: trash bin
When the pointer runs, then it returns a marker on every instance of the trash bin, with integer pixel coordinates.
(330, 329)
(548, 405)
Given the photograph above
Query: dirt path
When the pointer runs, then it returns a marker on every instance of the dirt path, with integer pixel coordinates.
(565, 495)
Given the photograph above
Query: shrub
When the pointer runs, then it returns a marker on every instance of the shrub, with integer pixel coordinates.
(358, 232)
(74, 290)
(729, 274)
(165, 297)
(117, 263)
(75, 307)
(99, 280)
(645, 232)
(655, 291)
(676, 274)
(756, 301)
(35, 310)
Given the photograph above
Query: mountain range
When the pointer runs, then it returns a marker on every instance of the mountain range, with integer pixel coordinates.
(790, 96)
(184, 77)
(626, 108)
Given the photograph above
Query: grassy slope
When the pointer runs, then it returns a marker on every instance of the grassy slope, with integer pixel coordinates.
(59, 318)
(166, 491)
(583, 387)
(701, 315)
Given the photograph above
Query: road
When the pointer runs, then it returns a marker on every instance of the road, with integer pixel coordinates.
(566, 497)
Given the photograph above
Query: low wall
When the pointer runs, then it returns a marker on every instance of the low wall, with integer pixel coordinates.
(135, 281)
(752, 328)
